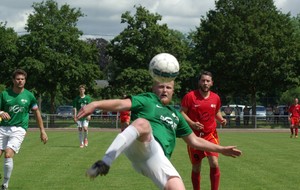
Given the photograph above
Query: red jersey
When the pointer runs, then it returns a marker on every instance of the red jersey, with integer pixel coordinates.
(125, 116)
(202, 109)
(294, 110)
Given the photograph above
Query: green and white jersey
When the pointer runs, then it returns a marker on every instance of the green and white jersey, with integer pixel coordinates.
(79, 102)
(18, 107)
(166, 122)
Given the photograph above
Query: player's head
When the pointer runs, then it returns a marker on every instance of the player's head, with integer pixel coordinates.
(19, 77)
(82, 88)
(164, 90)
(205, 81)
(296, 100)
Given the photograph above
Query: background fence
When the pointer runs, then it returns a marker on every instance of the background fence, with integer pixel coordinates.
(113, 121)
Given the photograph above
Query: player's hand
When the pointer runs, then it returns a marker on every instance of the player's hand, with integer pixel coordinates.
(5, 116)
(197, 126)
(44, 137)
(231, 151)
(223, 122)
(85, 111)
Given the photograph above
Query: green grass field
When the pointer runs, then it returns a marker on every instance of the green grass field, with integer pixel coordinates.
(270, 161)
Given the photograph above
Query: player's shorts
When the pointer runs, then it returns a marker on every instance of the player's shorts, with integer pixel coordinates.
(84, 123)
(150, 160)
(196, 156)
(11, 137)
(295, 121)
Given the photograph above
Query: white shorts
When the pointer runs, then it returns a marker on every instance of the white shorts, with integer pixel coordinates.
(84, 123)
(150, 160)
(11, 137)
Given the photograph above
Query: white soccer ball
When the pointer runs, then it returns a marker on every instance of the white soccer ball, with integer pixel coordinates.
(164, 67)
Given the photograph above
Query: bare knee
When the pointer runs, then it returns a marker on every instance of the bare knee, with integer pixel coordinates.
(9, 153)
(174, 183)
(143, 127)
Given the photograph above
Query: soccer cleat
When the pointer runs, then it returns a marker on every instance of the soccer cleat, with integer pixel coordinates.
(3, 187)
(291, 136)
(81, 146)
(98, 168)
(86, 142)
(296, 136)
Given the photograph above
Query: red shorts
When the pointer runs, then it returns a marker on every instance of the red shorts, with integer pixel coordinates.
(197, 155)
(295, 121)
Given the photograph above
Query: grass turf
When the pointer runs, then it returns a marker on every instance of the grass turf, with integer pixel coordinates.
(269, 161)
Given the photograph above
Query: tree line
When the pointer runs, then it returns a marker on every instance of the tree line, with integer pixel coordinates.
(251, 47)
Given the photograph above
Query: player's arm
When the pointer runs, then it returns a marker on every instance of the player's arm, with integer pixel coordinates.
(74, 113)
(220, 118)
(192, 124)
(39, 120)
(201, 144)
(108, 105)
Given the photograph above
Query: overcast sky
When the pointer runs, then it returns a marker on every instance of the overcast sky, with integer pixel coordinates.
(103, 16)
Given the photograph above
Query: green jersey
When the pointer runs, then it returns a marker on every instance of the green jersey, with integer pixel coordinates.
(18, 107)
(166, 122)
(79, 102)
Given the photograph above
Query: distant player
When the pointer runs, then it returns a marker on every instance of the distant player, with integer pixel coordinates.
(83, 123)
(201, 109)
(15, 104)
(124, 118)
(294, 114)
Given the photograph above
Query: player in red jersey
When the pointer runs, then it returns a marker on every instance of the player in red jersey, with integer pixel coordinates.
(201, 109)
(294, 115)
(124, 117)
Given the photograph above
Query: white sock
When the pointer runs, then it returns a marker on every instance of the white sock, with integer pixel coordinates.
(8, 167)
(121, 142)
(80, 137)
(85, 134)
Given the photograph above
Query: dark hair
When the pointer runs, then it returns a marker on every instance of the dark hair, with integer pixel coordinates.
(205, 73)
(19, 72)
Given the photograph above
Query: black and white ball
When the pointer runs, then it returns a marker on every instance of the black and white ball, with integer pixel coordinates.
(164, 67)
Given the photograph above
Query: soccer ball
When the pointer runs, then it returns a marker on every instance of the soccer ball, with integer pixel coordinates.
(164, 67)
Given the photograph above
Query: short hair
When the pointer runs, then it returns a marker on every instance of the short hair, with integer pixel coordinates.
(19, 72)
(82, 86)
(205, 73)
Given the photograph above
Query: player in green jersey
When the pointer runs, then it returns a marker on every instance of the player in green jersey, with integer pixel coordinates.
(81, 100)
(148, 142)
(15, 104)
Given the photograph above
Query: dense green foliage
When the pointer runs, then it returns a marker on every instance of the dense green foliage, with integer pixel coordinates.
(250, 46)
(269, 161)
(252, 49)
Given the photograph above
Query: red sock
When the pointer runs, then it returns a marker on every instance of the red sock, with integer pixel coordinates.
(196, 180)
(296, 131)
(292, 131)
(215, 178)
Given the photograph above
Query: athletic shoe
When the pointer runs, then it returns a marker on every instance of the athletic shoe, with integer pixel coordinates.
(81, 146)
(3, 187)
(296, 136)
(98, 168)
(291, 136)
(86, 142)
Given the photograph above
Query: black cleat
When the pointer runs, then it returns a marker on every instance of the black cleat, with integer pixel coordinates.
(98, 168)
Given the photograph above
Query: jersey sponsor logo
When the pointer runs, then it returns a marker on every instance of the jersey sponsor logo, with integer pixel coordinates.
(24, 101)
(16, 109)
(196, 105)
(169, 121)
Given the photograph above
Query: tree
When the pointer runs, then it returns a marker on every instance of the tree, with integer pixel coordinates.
(132, 50)
(8, 53)
(54, 56)
(249, 46)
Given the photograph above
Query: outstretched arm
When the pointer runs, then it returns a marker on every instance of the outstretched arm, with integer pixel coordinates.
(201, 144)
(107, 105)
